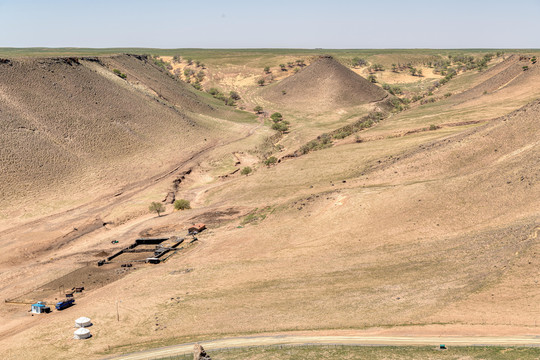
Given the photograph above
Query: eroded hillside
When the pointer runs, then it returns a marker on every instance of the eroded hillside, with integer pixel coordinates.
(74, 126)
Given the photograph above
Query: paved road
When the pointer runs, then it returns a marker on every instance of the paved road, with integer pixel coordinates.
(332, 340)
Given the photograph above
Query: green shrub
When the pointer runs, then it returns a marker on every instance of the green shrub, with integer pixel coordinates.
(258, 109)
(246, 171)
(267, 69)
(162, 64)
(342, 134)
(261, 82)
(182, 204)
(197, 85)
(282, 66)
(270, 161)
(372, 79)
(213, 91)
(119, 73)
(234, 95)
(281, 127)
(433, 127)
(276, 117)
(393, 89)
(200, 76)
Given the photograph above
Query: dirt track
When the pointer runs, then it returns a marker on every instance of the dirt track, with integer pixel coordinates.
(239, 342)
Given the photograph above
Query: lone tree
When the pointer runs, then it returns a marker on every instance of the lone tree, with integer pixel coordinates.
(157, 207)
(182, 204)
(258, 109)
(246, 171)
(261, 82)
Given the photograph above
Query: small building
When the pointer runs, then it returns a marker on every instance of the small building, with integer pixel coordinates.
(197, 228)
(40, 308)
(81, 333)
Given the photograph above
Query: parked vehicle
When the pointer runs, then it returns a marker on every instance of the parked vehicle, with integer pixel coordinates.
(61, 305)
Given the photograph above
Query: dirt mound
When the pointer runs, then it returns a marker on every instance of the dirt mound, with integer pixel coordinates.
(496, 78)
(324, 84)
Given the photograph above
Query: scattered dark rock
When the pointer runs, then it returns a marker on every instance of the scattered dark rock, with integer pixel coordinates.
(169, 199)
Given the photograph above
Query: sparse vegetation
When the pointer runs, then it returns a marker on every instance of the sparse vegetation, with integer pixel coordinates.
(358, 62)
(162, 64)
(156, 207)
(119, 73)
(234, 95)
(182, 204)
(279, 124)
(322, 142)
(276, 117)
(246, 170)
(393, 89)
(257, 215)
(270, 161)
(376, 67)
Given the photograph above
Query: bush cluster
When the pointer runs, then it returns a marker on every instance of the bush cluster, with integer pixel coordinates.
(119, 73)
(357, 62)
(270, 161)
(279, 124)
(393, 89)
(228, 100)
(162, 64)
(322, 142)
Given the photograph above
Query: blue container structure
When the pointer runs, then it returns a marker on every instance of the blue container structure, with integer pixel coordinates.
(61, 305)
(40, 308)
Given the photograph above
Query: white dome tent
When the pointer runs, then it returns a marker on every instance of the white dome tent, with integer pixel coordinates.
(83, 322)
(81, 333)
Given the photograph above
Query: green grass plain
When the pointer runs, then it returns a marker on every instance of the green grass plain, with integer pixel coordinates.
(371, 352)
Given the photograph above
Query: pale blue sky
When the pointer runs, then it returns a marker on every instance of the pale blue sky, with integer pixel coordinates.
(271, 24)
